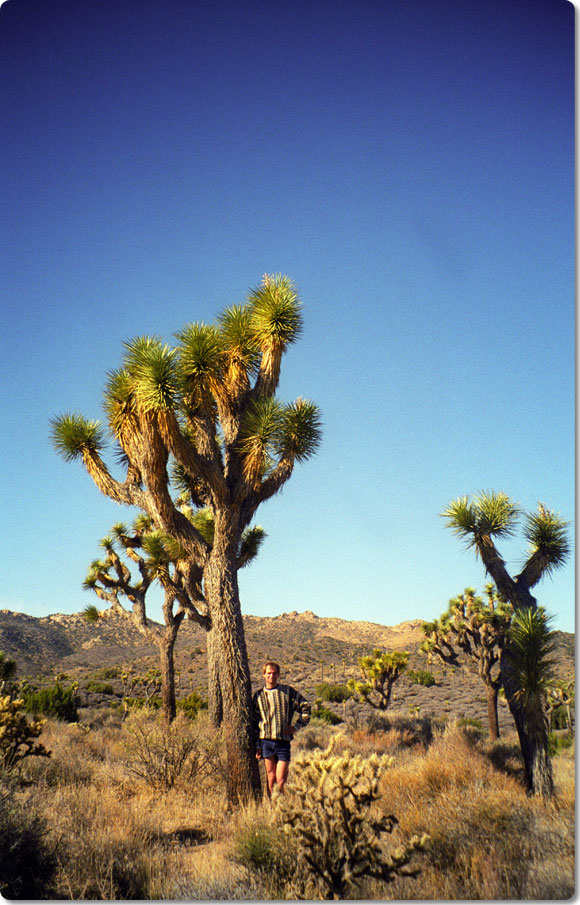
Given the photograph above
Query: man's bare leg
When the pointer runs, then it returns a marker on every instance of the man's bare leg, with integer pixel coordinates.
(281, 773)
(270, 765)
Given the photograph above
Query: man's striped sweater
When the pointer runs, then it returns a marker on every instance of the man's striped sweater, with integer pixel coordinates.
(274, 710)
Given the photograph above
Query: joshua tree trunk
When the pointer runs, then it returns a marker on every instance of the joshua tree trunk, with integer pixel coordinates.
(533, 735)
(492, 717)
(166, 645)
(214, 691)
(230, 659)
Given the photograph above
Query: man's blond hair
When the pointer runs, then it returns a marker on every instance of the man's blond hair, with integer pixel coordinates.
(271, 663)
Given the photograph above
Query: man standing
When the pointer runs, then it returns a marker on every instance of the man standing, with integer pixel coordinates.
(275, 706)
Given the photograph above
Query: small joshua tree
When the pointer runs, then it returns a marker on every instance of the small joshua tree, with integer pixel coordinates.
(471, 634)
(380, 670)
(157, 559)
(330, 811)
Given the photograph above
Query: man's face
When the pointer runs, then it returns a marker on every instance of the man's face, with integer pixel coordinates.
(270, 677)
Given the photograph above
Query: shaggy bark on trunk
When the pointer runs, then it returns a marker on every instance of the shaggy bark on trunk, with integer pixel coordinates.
(492, 715)
(230, 662)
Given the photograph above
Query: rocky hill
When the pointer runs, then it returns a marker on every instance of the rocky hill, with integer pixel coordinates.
(310, 649)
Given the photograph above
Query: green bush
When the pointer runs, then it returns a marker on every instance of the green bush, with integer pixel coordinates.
(325, 715)
(153, 703)
(58, 702)
(100, 687)
(557, 743)
(560, 718)
(421, 677)
(335, 693)
(470, 722)
(108, 672)
(265, 852)
(192, 704)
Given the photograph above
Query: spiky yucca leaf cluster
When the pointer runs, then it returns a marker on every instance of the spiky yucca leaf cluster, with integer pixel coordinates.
(72, 435)
(547, 537)
(330, 810)
(489, 514)
(532, 646)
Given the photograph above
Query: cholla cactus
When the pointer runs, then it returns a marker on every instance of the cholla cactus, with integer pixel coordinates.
(17, 733)
(328, 810)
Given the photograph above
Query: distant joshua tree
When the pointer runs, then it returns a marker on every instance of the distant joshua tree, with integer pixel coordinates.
(479, 522)
(472, 634)
(159, 558)
(111, 580)
(380, 670)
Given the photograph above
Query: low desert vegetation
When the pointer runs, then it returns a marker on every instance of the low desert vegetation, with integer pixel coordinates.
(394, 808)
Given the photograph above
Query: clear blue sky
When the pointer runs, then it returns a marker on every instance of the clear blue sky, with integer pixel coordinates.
(409, 163)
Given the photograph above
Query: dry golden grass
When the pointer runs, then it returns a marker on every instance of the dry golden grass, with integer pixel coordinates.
(118, 838)
(489, 840)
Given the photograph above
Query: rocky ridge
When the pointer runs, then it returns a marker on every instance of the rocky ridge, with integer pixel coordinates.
(311, 649)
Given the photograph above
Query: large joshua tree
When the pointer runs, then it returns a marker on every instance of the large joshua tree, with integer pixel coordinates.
(479, 522)
(208, 406)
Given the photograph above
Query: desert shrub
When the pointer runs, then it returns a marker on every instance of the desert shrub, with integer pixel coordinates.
(335, 693)
(164, 754)
(56, 701)
(421, 729)
(559, 719)
(469, 722)
(338, 835)
(192, 704)
(152, 703)
(27, 864)
(325, 715)
(100, 687)
(207, 889)
(421, 677)
(366, 742)
(18, 734)
(263, 849)
(559, 741)
(108, 672)
(315, 735)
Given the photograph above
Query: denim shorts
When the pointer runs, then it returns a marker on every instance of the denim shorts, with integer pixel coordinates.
(276, 747)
